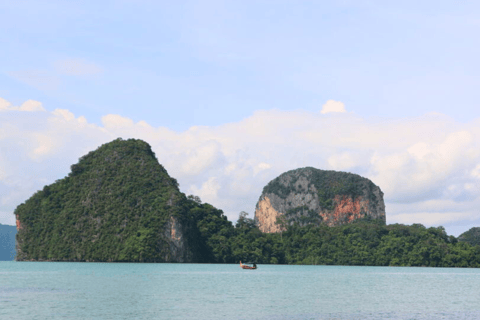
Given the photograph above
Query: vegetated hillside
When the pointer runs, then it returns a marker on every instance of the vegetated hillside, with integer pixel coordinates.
(471, 236)
(364, 242)
(7, 242)
(117, 204)
(312, 196)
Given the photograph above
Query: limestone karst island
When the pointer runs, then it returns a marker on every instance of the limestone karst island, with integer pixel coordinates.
(119, 204)
(312, 196)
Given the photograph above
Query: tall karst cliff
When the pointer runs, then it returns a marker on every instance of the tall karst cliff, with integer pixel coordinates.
(313, 196)
(117, 204)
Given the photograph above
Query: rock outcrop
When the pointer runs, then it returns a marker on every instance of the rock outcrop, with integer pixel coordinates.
(313, 196)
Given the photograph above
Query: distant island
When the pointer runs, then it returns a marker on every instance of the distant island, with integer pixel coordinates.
(7, 242)
(118, 204)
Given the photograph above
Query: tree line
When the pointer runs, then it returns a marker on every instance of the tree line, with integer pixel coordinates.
(361, 243)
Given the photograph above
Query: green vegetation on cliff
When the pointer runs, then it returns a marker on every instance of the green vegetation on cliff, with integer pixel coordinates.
(314, 196)
(471, 236)
(117, 204)
(327, 183)
(213, 232)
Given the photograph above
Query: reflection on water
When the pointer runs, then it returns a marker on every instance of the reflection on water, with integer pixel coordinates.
(205, 291)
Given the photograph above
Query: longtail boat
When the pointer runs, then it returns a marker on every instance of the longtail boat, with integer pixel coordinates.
(244, 266)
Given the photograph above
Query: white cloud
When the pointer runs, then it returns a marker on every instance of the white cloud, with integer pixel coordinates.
(200, 158)
(64, 114)
(29, 106)
(45, 145)
(209, 190)
(439, 211)
(476, 172)
(469, 186)
(230, 168)
(333, 106)
(260, 167)
(432, 218)
(342, 161)
(4, 104)
(428, 167)
(423, 170)
(115, 121)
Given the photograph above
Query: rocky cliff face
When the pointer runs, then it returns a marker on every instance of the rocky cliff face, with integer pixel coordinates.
(174, 233)
(313, 196)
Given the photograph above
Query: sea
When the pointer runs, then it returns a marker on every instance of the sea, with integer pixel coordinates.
(68, 290)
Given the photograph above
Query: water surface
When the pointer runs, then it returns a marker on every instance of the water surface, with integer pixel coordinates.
(56, 290)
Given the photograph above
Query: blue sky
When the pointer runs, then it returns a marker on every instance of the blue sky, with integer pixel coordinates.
(212, 62)
(188, 77)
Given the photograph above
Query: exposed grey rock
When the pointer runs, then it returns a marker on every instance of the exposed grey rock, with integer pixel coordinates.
(309, 195)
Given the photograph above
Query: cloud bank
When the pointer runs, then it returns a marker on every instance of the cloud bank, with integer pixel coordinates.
(428, 166)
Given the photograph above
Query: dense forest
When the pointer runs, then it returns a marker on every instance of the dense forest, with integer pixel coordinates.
(119, 204)
(361, 243)
(113, 206)
(471, 236)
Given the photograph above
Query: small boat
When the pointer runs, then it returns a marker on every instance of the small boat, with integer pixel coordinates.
(244, 266)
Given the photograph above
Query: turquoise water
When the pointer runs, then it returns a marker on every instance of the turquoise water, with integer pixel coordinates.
(55, 290)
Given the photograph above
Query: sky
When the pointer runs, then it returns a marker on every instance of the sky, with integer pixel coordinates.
(230, 94)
